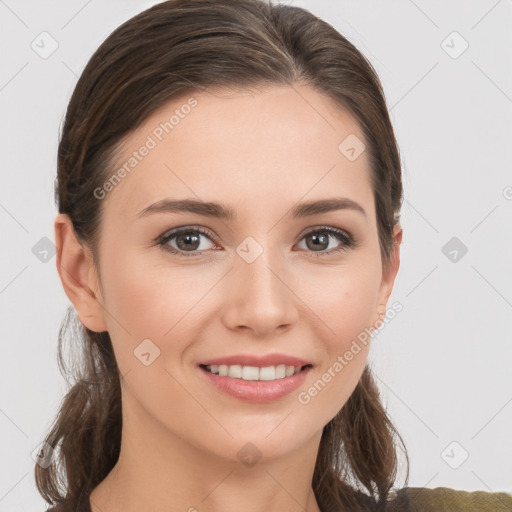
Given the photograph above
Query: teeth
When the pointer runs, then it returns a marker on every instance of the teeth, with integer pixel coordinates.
(254, 372)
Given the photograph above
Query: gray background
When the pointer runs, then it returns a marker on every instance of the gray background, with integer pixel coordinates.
(443, 364)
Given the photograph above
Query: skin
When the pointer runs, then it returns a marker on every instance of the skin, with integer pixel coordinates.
(260, 153)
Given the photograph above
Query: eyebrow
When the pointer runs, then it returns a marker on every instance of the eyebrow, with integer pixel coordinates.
(222, 211)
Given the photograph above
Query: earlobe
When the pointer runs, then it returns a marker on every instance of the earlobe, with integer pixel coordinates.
(77, 274)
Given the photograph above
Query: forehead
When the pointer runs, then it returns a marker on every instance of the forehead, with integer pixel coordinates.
(246, 146)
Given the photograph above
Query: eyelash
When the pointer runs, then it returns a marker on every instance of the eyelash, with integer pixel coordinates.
(348, 240)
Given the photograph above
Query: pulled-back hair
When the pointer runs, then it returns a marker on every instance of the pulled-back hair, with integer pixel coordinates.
(171, 49)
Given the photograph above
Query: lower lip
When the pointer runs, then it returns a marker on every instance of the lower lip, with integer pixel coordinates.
(256, 391)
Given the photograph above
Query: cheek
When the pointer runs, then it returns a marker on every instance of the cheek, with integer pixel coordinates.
(148, 295)
(345, 301)
(162, 303)
(156, 304)
(345, 307)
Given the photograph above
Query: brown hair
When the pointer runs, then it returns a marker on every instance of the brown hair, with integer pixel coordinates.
(173, 48)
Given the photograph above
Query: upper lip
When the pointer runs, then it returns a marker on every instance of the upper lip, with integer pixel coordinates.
(256, 360)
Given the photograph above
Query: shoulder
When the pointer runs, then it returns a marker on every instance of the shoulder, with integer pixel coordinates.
(444, 499)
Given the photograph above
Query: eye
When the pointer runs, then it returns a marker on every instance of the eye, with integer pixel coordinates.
(188, 241)
(319, 238)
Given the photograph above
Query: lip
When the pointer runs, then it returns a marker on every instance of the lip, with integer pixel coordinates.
(259, 391)
(255, 360)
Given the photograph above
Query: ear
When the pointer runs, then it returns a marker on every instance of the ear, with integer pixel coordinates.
(78, 275)
(390, 272)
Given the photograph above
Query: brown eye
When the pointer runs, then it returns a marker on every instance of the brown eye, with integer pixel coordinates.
(188, 240)
(318, 241)
(315, 241)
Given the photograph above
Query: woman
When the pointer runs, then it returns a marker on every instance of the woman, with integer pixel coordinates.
(229, 191)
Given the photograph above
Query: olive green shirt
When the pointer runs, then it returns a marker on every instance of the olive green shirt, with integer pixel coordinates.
(407, 499)
(444, 499)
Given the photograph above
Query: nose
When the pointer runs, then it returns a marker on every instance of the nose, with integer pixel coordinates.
(260, 297)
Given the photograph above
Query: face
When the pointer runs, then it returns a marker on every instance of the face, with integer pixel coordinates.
(273, 278)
